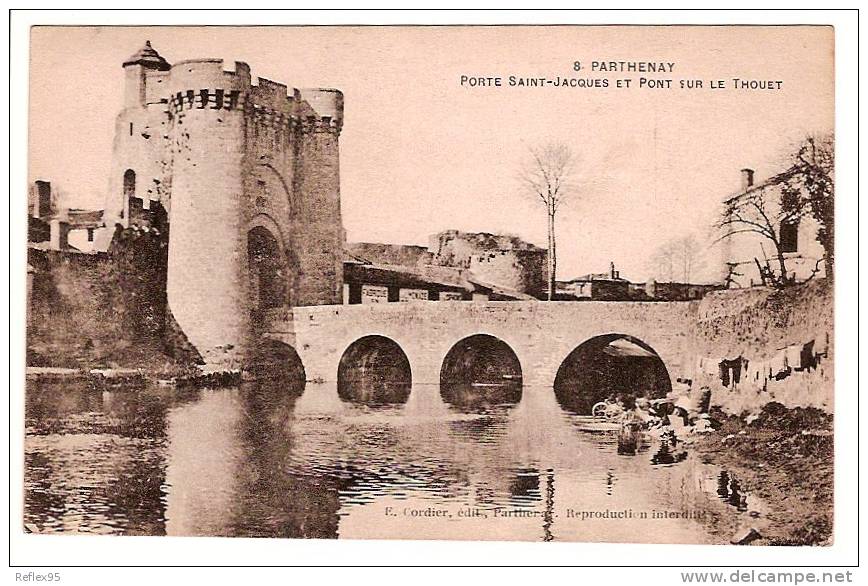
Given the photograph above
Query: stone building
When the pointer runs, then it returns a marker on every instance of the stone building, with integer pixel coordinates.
(608, 286)
(504, 260)
(611, 286)
(479, 264)
(58, 228)
(247, 175)
(742, 251)
(85, 226)
(672, 291)
(39, 211)
(365, 282)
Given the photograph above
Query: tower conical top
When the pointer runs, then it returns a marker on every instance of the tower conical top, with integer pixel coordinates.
(148, 57)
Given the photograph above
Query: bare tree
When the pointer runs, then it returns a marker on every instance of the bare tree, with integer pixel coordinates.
(756, 212)
(545, 178)
(806, 188)
(663, 261)
(676, 259)
(687, 253)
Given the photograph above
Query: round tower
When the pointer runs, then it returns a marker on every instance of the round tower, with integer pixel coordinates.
(320, 239)
(207, 282)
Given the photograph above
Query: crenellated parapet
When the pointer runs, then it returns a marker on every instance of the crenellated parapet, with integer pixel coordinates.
(264, 116)
(216, 99)
(203, 84)
(320, 125)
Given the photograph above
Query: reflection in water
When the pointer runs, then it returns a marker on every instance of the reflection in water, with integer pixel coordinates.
(548, 517)
(669, 451)
(278, 365)
(93, 460)
(261, 460)
(729, 490)
(274, 503)
(477, 398)
(525, 486)
(365, 392)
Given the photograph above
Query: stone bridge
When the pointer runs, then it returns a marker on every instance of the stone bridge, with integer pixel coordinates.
(541, 334)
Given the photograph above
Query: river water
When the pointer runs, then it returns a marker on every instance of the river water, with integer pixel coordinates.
(258, 461)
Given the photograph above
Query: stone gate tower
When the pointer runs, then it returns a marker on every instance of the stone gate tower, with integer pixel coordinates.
(249, 177)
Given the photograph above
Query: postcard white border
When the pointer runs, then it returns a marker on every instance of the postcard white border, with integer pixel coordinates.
(68, 550)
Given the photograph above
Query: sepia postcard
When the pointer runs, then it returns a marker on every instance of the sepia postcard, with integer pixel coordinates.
(515, 283)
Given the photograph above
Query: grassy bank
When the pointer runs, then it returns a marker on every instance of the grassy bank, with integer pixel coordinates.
(784, 457)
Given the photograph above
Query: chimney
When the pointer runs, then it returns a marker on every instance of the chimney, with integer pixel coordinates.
(613, 274)
(42, 205)
(746, 179)
(59, 235)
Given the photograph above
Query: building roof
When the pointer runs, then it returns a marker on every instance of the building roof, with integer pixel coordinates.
(444, 277)
(407, 255)
(404, 277)
(148, 57)
(771, 181)
(502, 291)
(78, 218)
(592, 277)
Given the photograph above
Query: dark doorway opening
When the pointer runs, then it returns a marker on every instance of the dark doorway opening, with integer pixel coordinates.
(267, 269)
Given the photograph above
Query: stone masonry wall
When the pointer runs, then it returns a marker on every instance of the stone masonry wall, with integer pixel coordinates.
(207, 270)
(759, 325)
(225, 155)
(100, 310)
(318, 237)
(519, 270)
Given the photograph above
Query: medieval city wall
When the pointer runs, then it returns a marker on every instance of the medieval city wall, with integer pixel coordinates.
(318, 236)
(519, 270)
(100, 310)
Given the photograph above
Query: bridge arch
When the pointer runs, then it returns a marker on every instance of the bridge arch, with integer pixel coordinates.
(610, 366)
(374, 370)
(481, 371)
(278, 364)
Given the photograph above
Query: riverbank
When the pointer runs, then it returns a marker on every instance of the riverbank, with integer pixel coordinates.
(785, 457)
(133, 379)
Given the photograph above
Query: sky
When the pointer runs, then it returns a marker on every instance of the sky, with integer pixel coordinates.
(420, 153)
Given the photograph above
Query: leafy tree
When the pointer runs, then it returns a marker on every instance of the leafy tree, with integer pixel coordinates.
(810, 190)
